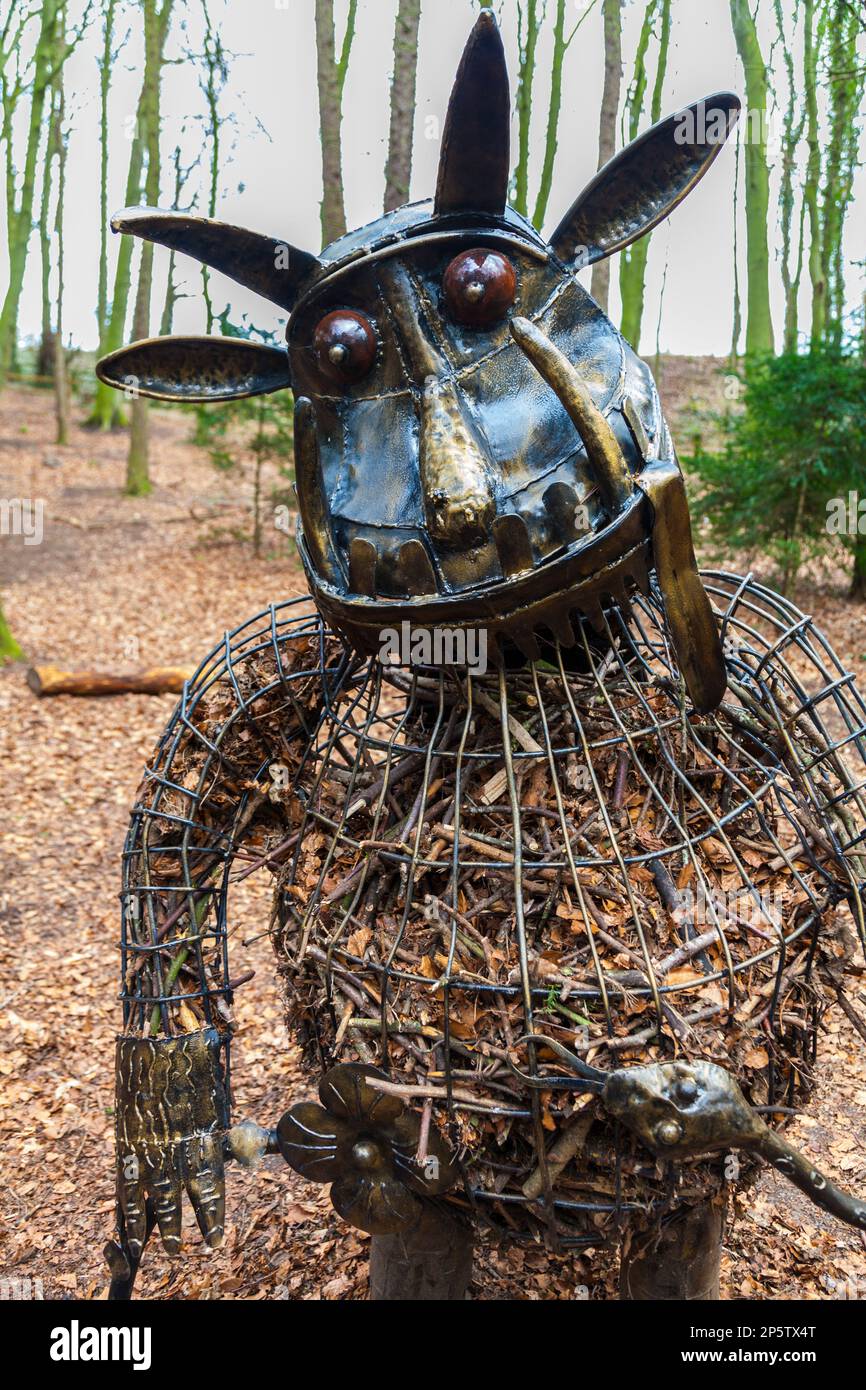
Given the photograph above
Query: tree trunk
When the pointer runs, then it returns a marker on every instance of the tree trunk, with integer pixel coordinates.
(858, 573)
(759, 324)
(45, 360)
(105, 65)
(600, 284)
(845, 81)
(155, 33)
(737, 324)
(632, 266)
(795, 118)
(330, 84)
(431, 1263)
(107, 411)
(61, 380)
(216, 69)
(398, 167)
(812, 41)
(21, 224)
(171, 294)
(528, 27)
(551, 139)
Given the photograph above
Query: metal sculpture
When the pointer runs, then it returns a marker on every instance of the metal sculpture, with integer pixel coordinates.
(480, 873)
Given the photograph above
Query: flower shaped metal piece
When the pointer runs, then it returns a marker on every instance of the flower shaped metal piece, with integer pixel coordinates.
(365, 1143)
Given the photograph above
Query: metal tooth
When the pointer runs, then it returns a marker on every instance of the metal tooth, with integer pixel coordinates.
(311, 494)
(639, 571)
(527, 643)
(635, 424)
(560, 500)
(512, 544)
(589, 604)
(363, 558)
(414, 570)
(560, 625)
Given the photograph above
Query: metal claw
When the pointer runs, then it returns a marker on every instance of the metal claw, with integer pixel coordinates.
(589, 1078)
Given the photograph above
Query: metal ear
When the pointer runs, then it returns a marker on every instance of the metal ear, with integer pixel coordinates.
(196, 369)
(475, 159)
(271, 267)
(642, 184)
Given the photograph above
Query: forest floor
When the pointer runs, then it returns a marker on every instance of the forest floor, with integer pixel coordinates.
(119, 583)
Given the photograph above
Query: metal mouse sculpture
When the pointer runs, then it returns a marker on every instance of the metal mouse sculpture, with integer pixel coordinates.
(477, 450)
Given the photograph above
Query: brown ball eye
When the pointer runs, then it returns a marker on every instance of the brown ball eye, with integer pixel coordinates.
(345, 346)
(479, 287)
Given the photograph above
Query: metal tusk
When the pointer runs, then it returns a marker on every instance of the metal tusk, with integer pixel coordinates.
(311, 493)
(606, 458)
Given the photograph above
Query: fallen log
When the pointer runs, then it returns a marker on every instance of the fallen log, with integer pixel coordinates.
(158, 680)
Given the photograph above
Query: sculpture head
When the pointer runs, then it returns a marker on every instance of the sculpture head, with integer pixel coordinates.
(475, 443)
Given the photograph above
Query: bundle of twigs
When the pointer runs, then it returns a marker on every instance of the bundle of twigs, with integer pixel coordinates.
(671, 885)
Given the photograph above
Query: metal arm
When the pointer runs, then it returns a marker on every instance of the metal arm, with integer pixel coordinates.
(224, 767)
(686, 1109)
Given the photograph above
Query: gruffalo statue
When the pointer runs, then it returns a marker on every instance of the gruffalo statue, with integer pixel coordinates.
(569, 841)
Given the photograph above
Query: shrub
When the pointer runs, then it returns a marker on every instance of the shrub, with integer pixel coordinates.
(792, 458)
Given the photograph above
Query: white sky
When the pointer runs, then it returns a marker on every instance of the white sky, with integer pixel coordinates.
(271, 173)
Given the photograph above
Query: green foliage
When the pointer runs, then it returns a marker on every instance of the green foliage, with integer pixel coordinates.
(791, 457)
(258, 428)
(9, 648)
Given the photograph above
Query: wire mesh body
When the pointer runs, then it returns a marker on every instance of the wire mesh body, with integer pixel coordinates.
(561, 849)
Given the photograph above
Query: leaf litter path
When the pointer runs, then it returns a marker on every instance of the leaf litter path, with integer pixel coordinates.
(118, 583)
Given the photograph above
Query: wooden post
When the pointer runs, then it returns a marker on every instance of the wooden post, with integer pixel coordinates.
(432, 1262)
(682, 1264)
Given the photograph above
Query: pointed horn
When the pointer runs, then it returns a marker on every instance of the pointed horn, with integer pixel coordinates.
(606, 459)
(270, 267)
(196, 369)
(475, 159)
(643, 184)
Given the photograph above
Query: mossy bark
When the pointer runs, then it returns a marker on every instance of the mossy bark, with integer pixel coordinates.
(759, 322)
(9, 648)
(156, 22)
(632, 266)
(398, 166)
(46, 59)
